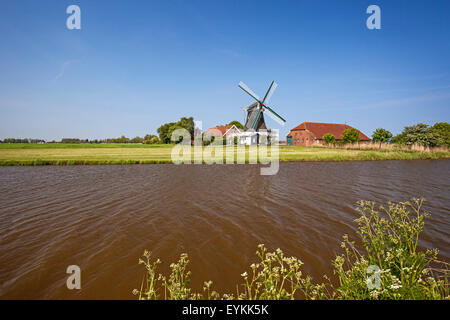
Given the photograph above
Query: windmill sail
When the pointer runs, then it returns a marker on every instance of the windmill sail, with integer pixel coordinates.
(270, 92)
(275, 116)
(249, 91)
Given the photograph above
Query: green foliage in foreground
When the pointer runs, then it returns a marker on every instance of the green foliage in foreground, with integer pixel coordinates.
(389, 266)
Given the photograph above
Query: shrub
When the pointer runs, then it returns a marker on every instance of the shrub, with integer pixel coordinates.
(390, 237)
(277, 277)
(274, 277)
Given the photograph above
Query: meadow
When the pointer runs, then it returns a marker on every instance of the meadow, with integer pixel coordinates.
(86, 154)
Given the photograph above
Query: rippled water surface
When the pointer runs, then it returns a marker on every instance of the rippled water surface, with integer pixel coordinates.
(103, 217)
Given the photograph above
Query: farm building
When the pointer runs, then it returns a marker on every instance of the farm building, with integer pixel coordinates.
(311, 133)
(225, 131)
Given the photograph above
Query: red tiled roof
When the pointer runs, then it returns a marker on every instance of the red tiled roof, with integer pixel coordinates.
(319, 129)
(222, 129)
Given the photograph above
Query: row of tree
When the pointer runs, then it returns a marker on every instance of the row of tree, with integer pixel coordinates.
(437, 135)
(147, 139)
(26, 140)
(164, 132)
(421, 134)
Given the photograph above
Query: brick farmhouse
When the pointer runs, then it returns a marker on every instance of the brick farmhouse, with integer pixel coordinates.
(311, 133)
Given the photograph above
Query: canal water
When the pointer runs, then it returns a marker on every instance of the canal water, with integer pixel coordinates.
(102, 218)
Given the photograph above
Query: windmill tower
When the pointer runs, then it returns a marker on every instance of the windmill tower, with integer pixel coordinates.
(254, 123)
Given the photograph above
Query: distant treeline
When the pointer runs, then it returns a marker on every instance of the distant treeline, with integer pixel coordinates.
(164, 132)
(147, 139)
(26, 140)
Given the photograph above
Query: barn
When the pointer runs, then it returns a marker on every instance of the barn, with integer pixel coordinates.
(311, 133)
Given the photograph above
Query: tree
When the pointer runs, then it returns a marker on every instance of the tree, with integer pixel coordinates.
(123, 139)
(381, 135)
(165, 131)
(14, 140)
(440, 134)
(418, 134)
(70, 140)
(237, 124)
(137, 140)
(398, 139)
(188, 124)
(154, 140)
(172, 129)
(350, 135)
(149, 136)
(329, 138)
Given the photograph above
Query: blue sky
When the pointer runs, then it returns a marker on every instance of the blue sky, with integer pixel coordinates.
(137, 64)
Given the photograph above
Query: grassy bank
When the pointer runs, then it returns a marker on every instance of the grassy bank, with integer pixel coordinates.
(385, 264)
(87, 154)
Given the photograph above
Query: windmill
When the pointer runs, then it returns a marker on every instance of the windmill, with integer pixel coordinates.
(255, 112)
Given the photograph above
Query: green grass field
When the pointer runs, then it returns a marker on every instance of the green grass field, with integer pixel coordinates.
(79, 154)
